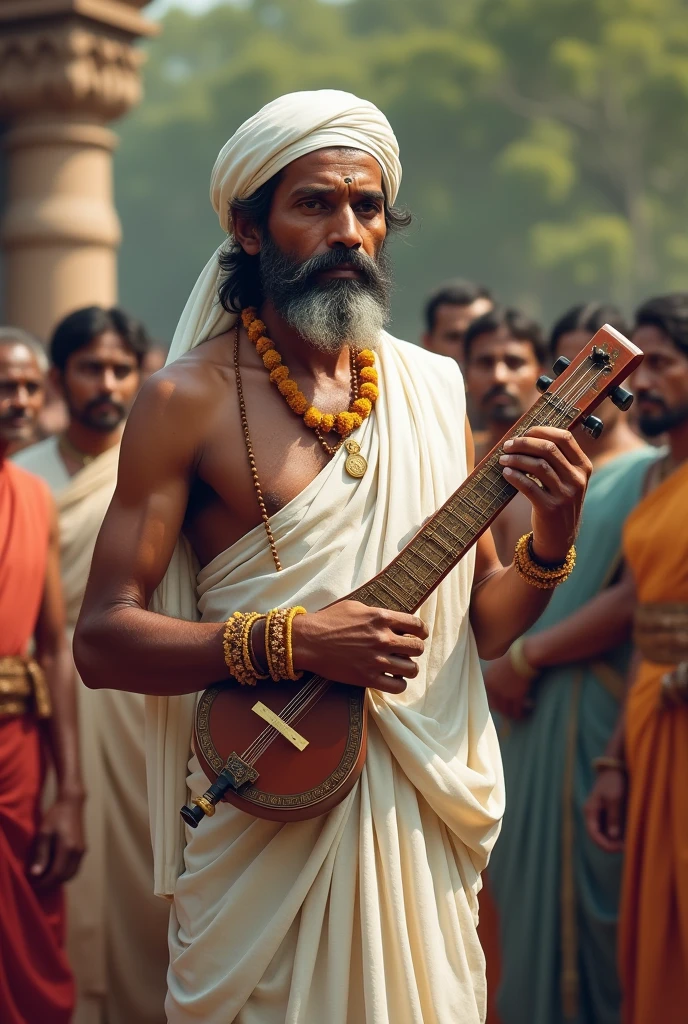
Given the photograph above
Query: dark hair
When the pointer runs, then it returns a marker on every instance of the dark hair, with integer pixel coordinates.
(670, 314)
(453, 293)
(79, 329)
(240, 286)
(520, 326)
(587, 317)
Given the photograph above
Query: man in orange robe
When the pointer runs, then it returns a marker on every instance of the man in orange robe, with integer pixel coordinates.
(39, 850)
(646, 767)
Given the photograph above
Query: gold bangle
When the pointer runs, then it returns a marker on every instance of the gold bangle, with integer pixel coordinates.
(519, 662)
(541, 576)
(278, 647)
(603, 763)
(288, 626)
(235, 645)
(271, 644)
(252, 674)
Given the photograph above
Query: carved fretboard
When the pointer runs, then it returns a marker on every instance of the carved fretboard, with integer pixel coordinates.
(408, 580)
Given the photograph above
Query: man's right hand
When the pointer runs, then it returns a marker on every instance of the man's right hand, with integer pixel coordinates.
(349, 642)
(605, 810)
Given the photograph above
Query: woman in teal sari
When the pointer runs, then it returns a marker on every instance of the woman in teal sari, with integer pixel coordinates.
(556, 893)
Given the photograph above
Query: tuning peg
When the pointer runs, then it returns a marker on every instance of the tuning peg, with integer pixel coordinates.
(560, 365)
(622, 399)
(593, 425)
(542, 383)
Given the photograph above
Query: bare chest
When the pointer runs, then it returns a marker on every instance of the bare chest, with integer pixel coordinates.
(282, 455)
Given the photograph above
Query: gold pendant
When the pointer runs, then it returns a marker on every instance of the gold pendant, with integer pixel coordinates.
(355, 464)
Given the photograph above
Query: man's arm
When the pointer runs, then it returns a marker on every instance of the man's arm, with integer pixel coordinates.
(601, 624)
(121, 645)
(503, 605)
(60, 840)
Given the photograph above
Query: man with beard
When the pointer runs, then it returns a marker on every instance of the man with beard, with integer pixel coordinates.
(504, 353)
(558, 690)
(642, 777)
(117, 931)
(236, 492)
(39, 848)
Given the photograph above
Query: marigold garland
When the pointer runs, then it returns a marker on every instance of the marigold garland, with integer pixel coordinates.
(366, 391)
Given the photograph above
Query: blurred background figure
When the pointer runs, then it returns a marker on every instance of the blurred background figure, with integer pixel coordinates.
(504, 354)
(558, 692)
(40, 848)
(642, 778)
(117, 929)
(28, 429)
(449, 312)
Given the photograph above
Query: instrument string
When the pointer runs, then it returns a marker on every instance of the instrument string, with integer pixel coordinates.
(573, 390)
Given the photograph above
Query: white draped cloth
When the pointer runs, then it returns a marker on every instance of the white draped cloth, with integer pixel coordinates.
(369, 912)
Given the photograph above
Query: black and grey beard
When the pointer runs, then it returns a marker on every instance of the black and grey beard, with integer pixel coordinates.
(343, 311)
(653, 426)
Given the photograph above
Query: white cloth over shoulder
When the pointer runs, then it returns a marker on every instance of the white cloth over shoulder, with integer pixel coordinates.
(281, 132)
(288, 128)
(367, 913)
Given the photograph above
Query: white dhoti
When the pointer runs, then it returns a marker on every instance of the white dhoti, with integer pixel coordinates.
(368, 913)
(117, 930)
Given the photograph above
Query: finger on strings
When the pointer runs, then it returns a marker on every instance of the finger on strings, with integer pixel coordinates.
(534, 467)
(565, 443)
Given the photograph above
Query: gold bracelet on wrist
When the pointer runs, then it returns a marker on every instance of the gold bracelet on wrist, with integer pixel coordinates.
(605, 763)
(278, 643)
(235, 643)
(519, 662)
(542, 576)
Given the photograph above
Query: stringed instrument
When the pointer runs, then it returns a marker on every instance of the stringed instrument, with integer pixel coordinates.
(292, 750)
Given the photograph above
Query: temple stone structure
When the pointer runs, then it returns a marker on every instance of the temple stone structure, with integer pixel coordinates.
(67, 68)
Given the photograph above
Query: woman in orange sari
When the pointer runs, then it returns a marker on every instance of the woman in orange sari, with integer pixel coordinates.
(650, 750)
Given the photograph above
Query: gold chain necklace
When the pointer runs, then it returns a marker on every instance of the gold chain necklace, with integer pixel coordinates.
(71, 451)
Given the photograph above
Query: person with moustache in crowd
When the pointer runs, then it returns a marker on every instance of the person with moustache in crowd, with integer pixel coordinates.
(640, 799)
(448, 314)
(117, 929)
(228, 500)
(40, 847)
(504, 353)
(557, 692)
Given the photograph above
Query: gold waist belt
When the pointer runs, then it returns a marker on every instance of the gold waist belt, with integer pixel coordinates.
(661, 632)
(23, 688)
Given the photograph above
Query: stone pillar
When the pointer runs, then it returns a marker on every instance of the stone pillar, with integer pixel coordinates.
(67, 68)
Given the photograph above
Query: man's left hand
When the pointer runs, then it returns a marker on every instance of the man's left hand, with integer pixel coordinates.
(548, 466)
(59, 844)
(507, 691)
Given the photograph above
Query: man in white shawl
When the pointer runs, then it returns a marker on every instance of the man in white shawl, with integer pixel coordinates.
(116, 929)
(367, 913)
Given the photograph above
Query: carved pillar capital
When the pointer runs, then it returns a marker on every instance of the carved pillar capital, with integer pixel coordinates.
(67, 68)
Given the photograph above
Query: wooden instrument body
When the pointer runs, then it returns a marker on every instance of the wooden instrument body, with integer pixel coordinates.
(292, 785)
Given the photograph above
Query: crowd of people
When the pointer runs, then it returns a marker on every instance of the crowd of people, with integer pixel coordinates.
(584, 905)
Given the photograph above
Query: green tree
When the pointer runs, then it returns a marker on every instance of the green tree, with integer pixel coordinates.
(541, 142)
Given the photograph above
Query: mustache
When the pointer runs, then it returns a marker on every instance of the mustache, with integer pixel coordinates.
(294, 273)
(97, 403)
(497, 392)
(650, 396)
(18, 414)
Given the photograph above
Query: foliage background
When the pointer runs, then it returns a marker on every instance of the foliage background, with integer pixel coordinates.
(543, 143)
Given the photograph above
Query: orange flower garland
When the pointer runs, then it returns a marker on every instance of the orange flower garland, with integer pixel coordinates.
(366, 391)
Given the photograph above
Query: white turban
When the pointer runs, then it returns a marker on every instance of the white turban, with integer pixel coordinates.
(281, 132)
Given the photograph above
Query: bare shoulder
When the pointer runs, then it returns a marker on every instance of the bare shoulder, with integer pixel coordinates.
(174, 403)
